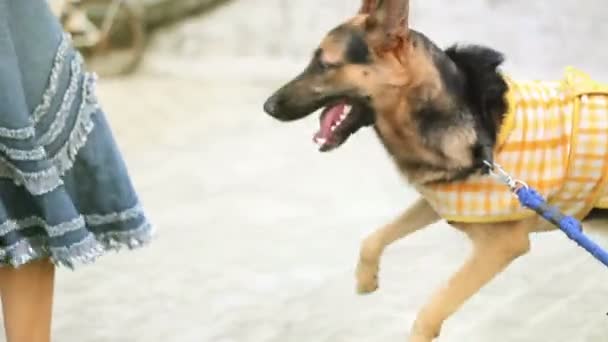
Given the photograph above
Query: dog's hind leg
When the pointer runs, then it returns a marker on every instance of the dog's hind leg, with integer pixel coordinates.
(416, 217)
(495, 246)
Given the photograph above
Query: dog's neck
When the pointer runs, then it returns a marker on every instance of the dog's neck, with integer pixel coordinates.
(455, 115)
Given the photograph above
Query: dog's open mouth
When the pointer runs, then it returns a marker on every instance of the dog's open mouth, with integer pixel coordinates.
(337, 122)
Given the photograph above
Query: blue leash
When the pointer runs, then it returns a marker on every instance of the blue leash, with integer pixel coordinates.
(531, 199)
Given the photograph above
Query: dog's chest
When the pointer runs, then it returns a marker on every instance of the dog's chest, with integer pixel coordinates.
(422, 161)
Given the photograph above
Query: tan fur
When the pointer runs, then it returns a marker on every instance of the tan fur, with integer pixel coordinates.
(399, 133)
(495, 246)
(399, 85)
(413, 80)
(400, 80)
(455, 143)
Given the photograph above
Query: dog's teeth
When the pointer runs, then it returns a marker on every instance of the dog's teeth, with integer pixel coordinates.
(343, 116)
(333, 128)
(347, 109)
(320, 141)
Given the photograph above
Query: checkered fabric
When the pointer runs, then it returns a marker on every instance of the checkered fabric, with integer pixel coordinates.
(554, 138)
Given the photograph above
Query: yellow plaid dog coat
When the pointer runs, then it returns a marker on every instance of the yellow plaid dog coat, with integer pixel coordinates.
(555, 138)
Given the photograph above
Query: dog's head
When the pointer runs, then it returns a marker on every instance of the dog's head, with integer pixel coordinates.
(436, 111)
(351, 72)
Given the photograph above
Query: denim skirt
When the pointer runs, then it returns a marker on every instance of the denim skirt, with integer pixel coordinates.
(65, 192)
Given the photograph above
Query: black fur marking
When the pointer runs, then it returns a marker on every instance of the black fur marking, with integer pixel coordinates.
(434, 119)
(357, 51)
(485, 88)
(471, 77)
(450, 74)
(484, 93)
(483, 151)
(430, 121)
(456, 175)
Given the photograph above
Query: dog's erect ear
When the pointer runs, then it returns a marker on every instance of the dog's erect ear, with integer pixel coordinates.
(391, 16)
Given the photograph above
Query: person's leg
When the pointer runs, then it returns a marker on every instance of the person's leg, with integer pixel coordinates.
(27, 301)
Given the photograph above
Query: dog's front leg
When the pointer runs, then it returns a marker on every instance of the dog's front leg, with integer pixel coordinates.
(495, 246)
(414, 218)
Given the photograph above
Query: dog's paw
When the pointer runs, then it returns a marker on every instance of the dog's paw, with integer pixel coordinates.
(367, 278)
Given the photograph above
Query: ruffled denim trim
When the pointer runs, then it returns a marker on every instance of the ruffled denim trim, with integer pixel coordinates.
(44, 181)
(85, 251)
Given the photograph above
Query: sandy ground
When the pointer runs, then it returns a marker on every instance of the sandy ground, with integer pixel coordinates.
(258, 233)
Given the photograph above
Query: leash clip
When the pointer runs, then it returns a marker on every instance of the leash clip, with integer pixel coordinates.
(499, 173)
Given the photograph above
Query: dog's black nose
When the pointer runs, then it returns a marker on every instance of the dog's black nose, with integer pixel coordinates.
(270, 106)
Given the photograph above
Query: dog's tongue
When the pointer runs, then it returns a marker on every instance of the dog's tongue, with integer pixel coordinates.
(330, 116)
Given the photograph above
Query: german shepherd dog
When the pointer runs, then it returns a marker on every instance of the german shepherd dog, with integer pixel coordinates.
(437, 112)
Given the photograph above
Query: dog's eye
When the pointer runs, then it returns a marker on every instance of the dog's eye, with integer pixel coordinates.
(322, 65)
(326, 66)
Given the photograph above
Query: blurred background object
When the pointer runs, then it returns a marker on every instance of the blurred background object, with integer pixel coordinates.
(111, 34)
(259, 233)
